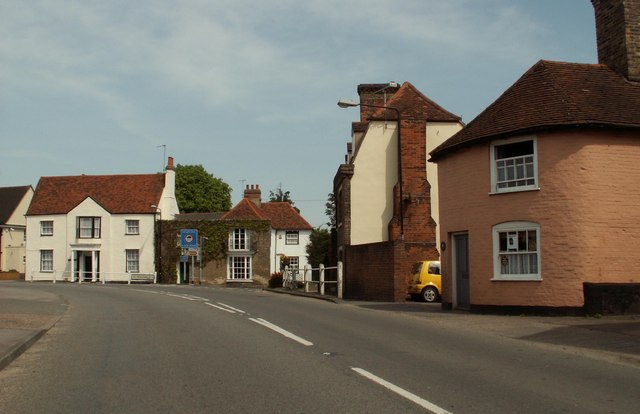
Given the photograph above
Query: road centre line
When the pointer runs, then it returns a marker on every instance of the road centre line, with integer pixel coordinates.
(402, 392)
(220, 307)
(281, 331)
(231, 307)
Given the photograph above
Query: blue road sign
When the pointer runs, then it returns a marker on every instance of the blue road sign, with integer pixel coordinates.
(188, 238)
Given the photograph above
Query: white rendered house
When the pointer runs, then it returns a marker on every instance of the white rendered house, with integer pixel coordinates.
(14, 202)
(92, 228)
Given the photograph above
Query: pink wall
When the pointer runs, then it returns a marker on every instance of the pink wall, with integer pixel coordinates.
(588, 209)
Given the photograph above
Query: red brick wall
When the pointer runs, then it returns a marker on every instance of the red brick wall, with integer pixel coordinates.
(380, 271)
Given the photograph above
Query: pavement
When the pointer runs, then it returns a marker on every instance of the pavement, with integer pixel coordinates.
(27, 314)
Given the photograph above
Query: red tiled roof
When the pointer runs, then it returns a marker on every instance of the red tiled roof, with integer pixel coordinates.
(10, 198)
(244, 210)
(412, 104)
(284, 217)
(115, 193)
(552, 95)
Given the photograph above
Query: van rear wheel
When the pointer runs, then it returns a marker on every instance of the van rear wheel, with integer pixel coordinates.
(429, 294)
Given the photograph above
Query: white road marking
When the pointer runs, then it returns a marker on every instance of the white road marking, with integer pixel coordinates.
(219, 307)
(231, 307)
(281, 331)
(402, 392)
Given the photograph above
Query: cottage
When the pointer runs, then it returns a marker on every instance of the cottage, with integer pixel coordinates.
(14, 202)
(539, 194)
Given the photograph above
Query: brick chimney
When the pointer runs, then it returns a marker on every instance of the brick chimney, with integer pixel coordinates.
(253, 194)
(618, 33)
(374, 94)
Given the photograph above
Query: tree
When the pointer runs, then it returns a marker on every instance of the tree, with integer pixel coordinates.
(198, 191)
(330, 210)
(280, 195)
(318, 247)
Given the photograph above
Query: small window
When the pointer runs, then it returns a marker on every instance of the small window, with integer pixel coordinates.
(294, 262)
(238, 239)
(514, 166)
(46, 260)
(132, 226)
(133, 261)
(516, 247)
(46, 228)
(88, 228)
(292, 237)
(434, 268)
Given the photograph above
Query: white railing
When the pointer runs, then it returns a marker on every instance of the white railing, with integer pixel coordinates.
(103, 277)
(291, 278)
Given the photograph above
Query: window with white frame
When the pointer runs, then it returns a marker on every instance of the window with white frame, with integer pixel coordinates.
(46, 260)
(133, 260)
(516, 251)
(294, 262)
(132, 226)
(88, 227)
(46, 228)
(292, 237)
(514, 165)
(239, 268)
(239, 239)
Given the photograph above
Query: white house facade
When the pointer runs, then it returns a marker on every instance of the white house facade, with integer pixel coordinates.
(97, 228)
(14, 202)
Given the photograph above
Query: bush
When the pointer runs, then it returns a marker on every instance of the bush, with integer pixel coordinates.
(276, 280)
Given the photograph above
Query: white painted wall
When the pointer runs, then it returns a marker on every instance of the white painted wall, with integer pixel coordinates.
(13, 245)
(112, 242)
(279, 247)
(375, 174)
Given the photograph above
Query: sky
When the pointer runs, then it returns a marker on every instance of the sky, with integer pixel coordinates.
(248, 89)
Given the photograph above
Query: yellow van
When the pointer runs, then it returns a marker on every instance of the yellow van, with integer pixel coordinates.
(426, 282)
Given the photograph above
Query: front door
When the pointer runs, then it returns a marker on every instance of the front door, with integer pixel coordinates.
(461, 269)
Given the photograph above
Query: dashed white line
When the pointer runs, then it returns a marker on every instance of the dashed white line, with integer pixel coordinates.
(402, 392)
(220, 307)
(281, 331)
(231, 307)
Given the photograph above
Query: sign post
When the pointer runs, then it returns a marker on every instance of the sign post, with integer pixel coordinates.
(189, 240)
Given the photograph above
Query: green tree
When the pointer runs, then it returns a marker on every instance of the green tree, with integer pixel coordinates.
(330, 210)
(198, 191)
(280, 195)
(318, 247)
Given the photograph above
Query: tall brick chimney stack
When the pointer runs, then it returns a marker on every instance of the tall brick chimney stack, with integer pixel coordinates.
(374, 94)
(618, 33)
(253, 194)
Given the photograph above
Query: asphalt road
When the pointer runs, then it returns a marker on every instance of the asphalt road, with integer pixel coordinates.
(149, 349)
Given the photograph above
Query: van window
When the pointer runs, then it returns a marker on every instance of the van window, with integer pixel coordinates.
(434, 268)
(416, 268)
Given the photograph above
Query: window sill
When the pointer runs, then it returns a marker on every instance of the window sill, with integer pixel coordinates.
(514, 190)
(239, 280)
(524, 279)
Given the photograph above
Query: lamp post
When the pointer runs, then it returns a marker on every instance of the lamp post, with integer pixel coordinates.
(348, 103)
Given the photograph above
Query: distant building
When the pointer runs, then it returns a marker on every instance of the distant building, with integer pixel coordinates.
(14, 202)
(385, 194)
(539, 194)
(262, 236)
(97, 227)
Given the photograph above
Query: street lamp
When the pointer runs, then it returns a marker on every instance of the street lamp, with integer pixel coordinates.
(349, 103)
